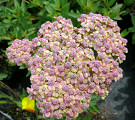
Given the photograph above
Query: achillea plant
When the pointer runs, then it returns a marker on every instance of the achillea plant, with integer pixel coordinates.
(69, 64)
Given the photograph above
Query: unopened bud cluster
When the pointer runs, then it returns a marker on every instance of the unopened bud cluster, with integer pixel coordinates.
(69, 64)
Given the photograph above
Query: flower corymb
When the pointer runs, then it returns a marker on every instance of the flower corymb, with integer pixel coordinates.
(69, 64)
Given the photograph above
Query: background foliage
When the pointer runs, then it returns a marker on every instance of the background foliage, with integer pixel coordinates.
(22, 18)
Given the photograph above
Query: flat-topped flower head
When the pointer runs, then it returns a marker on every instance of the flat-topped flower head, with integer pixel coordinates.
(69, 64)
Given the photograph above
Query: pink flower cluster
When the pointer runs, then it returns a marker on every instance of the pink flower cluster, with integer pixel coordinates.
(69, 63)
(20, 51)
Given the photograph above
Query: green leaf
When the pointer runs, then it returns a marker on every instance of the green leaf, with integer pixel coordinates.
(57, 3)
(117, 18)
(10, 10)
(105, 12)
(111, 2)
(39, 3)
(94, 100)
(23, 66)
(63, 2)
(133, 20)
(96, 7)
(95, 108)
(28, 73)
(17, 31)
(19, 103)
(16, 3)
(122, 12)
(88, 117)
(28, 118)
(2, 1)
(12, 64)
(6, 96)
(41, 12)
(63, 118)
(126, 12)
(54, 7)
(4, 51)
(105, 3)
(89, 3)
(82, 3)
(74, 15)
(31, 5)
(115, 10)
(24, 94)
(24, 24)
(128, 2)
(132, 29)
(124, 33)
(39, 117)
(2, 76)
(65, 10)
(23, 6)
(133, 38)
(78, 118)
(50, 10)
(6, 21)
(10, 42)
(5, 38)
(4, 102)
(93, 104)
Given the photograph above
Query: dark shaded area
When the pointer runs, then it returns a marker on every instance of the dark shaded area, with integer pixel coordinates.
(18, 79)
(120, 104)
